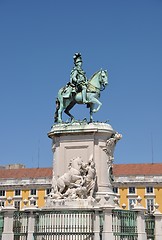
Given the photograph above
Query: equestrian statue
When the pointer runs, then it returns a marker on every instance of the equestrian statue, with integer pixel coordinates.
(80, 90)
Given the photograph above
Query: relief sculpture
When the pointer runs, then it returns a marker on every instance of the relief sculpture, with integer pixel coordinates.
(79, 181)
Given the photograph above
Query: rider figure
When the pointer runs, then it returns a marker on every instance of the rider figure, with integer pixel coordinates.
(78, 78)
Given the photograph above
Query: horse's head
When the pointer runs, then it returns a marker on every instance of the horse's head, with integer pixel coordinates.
(103, 78)
(76, 162)
(99, 80)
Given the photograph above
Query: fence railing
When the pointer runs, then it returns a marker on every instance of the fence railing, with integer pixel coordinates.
(1, 224)
(150, 226)
(20, 225)
(64, 225)
(78, 224)
(124, 224)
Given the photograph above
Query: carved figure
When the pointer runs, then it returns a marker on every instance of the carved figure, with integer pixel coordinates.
(109, 149)
(80, 91)
(110, 146)
(78, 182)
(72, 178)
(90, 178)
(74, 193)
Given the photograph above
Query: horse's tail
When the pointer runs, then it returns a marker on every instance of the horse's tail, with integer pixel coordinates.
(57, 108)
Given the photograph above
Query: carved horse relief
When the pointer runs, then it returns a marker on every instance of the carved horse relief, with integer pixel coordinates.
(71, 178)
(78, 182)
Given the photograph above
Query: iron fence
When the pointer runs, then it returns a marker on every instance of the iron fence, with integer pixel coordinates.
(64, 225)
(124, 225)
(1, 224)
(77, 225)
(101, 216)
(150, 226)
(20, 225)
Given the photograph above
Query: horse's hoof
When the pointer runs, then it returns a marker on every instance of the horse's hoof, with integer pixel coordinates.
(59, 122)
(72, 120)
(94, 111)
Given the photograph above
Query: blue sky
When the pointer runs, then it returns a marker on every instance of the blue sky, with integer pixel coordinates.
(37, 42)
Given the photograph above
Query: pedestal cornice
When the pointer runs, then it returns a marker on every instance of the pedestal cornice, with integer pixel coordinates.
(80, 128)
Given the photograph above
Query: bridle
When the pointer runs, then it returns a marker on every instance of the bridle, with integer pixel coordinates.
(102, 88)
(92, 88)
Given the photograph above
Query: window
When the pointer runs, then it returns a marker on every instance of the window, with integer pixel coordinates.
(115, 189)
(48, 190)
(132, 190)
(2, 203)
(150, 204)
(17, 192)
(149, 190)
(2, 193)
(33, 192)
(132, 202)
(17, 205)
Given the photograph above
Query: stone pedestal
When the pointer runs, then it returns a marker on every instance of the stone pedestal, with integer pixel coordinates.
(97, 224)
(140, 219)
(8, 223)
(107, 224)
(84, 140)
(158, 223)
(31, 220)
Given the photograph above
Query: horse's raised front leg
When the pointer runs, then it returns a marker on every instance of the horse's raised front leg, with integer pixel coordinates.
(95, 101)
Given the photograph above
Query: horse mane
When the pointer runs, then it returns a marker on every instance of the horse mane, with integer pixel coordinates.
(94, 75)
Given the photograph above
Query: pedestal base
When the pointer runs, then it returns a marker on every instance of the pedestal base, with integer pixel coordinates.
(70, 203)
(81, 140)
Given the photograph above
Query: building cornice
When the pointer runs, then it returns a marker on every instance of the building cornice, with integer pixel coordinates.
(138, 180)
(24, 183)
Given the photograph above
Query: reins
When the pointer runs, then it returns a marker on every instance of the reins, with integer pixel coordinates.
(92, 88)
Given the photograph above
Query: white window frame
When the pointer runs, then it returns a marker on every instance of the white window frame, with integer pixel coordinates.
(132, 193)
(17, 195)
(48, 189)
(2, 190)
(150, 207)
(129, 204)
(149, 192)
(117, 192)
(32, 190)
(2, 203)
(17, 201)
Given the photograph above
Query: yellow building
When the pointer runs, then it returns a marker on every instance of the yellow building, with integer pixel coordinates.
(23, 184)
(131, 180)
(144, 180)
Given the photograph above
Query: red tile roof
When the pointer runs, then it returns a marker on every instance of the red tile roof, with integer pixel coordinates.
(137, 169)
(118, 169)
(25, 173)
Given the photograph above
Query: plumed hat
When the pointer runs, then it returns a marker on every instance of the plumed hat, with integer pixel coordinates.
(77, 57)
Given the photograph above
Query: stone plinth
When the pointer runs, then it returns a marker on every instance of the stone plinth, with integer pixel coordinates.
(83, 140)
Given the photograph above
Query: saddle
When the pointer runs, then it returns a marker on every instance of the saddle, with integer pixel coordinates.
(69, 90)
